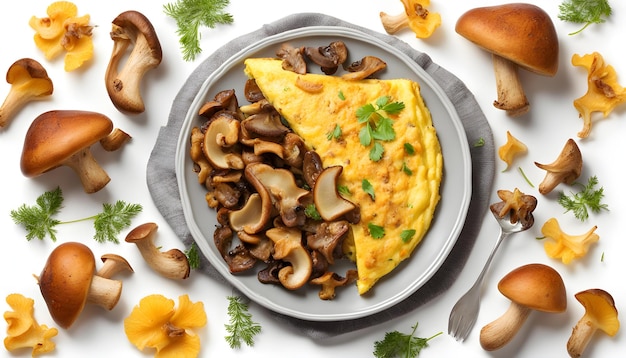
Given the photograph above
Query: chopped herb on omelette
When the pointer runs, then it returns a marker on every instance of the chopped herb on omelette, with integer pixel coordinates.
(399, 199)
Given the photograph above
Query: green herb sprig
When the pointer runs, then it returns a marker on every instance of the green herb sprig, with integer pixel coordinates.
(398, 344)
(190, 15)
(193, 256)
(39, 220)
(585, 12)
(378, 126)
(241, 328)
(582, 202)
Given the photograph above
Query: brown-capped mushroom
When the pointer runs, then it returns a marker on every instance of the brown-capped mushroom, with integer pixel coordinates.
(312, 166)
(253, 216)
(327, 239)
(113, 264)
(115, 140)
(293, 58)
(565, 169)
(69, 281)
(330, 57)
(221, 135)
(170, 264)
(64, 137)
(329, 203)
(330, 281)
(288, 247)
(124, 86)
(281, 186)
(530, 287)
(600, 314)
(364, 68)
(239, 259)
(29, 81)
(517, 35)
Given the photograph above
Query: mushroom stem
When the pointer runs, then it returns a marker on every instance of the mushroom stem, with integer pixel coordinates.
(581, 336)
(394, 23)
(104, 292)
(499, 332)
(91, 174)
(511, 96)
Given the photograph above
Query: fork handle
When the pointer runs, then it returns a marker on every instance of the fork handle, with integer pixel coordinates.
(481, 276)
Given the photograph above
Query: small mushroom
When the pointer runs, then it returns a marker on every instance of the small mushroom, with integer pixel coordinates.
(113, 264)
(530, 287)
(327, 239)
(64, 137)
(328, 202)
(124, 86)
(265, 123)
(330, 281)
(312, 166)
(600, 314)
(517, 35)
(293, 58)
(288, 247)
(330, 57)
(170, 264)
(364, 68)
(565, 169)
(29, 81)
(415, 16)
(221, 134)
(68, 282)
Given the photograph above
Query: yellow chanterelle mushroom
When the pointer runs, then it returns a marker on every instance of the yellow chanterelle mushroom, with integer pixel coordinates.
(23, 331)
(564, 246)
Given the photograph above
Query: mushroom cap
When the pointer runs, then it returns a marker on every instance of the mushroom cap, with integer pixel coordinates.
(65, 281)
(137, 21)
(535, 286)
(600, 309)
(55, 136)
(521, 33)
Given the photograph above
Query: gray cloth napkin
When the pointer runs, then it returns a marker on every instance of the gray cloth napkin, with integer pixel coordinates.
(161, 176)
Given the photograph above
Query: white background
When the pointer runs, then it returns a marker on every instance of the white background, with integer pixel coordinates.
(551, 121)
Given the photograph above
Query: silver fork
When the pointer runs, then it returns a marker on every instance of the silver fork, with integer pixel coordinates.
(465, 311)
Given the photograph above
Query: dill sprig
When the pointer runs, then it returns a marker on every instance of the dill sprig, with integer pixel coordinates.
(585, 12)
(587, 199)
(190, 15)
(241, 327)
(398, 344)
(39, 220)
(193, 256)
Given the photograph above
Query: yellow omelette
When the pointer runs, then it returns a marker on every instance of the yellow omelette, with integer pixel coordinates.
(397, 212)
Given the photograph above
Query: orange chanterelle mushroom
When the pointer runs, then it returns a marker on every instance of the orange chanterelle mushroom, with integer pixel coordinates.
(155, 323)
(64, 31)
(415, 16)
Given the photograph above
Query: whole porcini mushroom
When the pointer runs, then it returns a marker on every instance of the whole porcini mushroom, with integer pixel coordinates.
(68, 282)
(565, 169)
(64, 137)
(600, 314)
(29, 81)
(529, 287)
(170, 264)
(517, 35)
(124, 86)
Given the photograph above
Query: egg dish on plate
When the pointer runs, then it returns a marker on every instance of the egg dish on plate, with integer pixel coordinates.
(395, 180)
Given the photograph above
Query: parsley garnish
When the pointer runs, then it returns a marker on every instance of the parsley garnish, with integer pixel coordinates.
(335, 133)
(311, 212)
(406, 169)
(240, 327)
(378, 126)
(344, 190)
(587, 199)
(585, 12)
(409, 148)
(190, 15)
(39, 221)
(397, 344)
(368, 188)
(407, 235)
(376, 231)
(341, 95)
(480, 142)
(193, 256)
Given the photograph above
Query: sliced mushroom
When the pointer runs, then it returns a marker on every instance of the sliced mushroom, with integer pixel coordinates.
(329, 203)
(364, 68)
(288, 247)
(565, 169)
(124, 86)
(253, 216)
(252, 92)
(270, 273)
(331, 280)
(330, 57)
(266, 123)
(222, 133)
(312, 166)
(238, 259)
(328, 238)
(281, 186)
(293, 59)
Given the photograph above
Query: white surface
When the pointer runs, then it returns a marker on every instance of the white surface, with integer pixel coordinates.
(551, 122)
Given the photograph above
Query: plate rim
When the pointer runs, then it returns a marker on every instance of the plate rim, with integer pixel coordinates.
(237, 58)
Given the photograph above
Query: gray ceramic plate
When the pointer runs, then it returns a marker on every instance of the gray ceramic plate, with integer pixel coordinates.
(426, 259)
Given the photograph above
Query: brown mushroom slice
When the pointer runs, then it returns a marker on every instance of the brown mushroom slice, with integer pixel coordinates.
(269, 275)
(170, 264)
(265, 124)
(68, 282)
(29, 81)
(253, 216)
(312, 166)
(238, 259)
(202, 165)
(293, 150)
(293, 59)
(566, 168)
(329, 203)
(288, 247)
(124, 86)
(262, 250)
(328, 57)
(330, 281)
(328, 238)
(64, 137)
(222, 133)
(282, 188)
(364, 68)
(529, 287)
(252, 92)
(517, 35)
